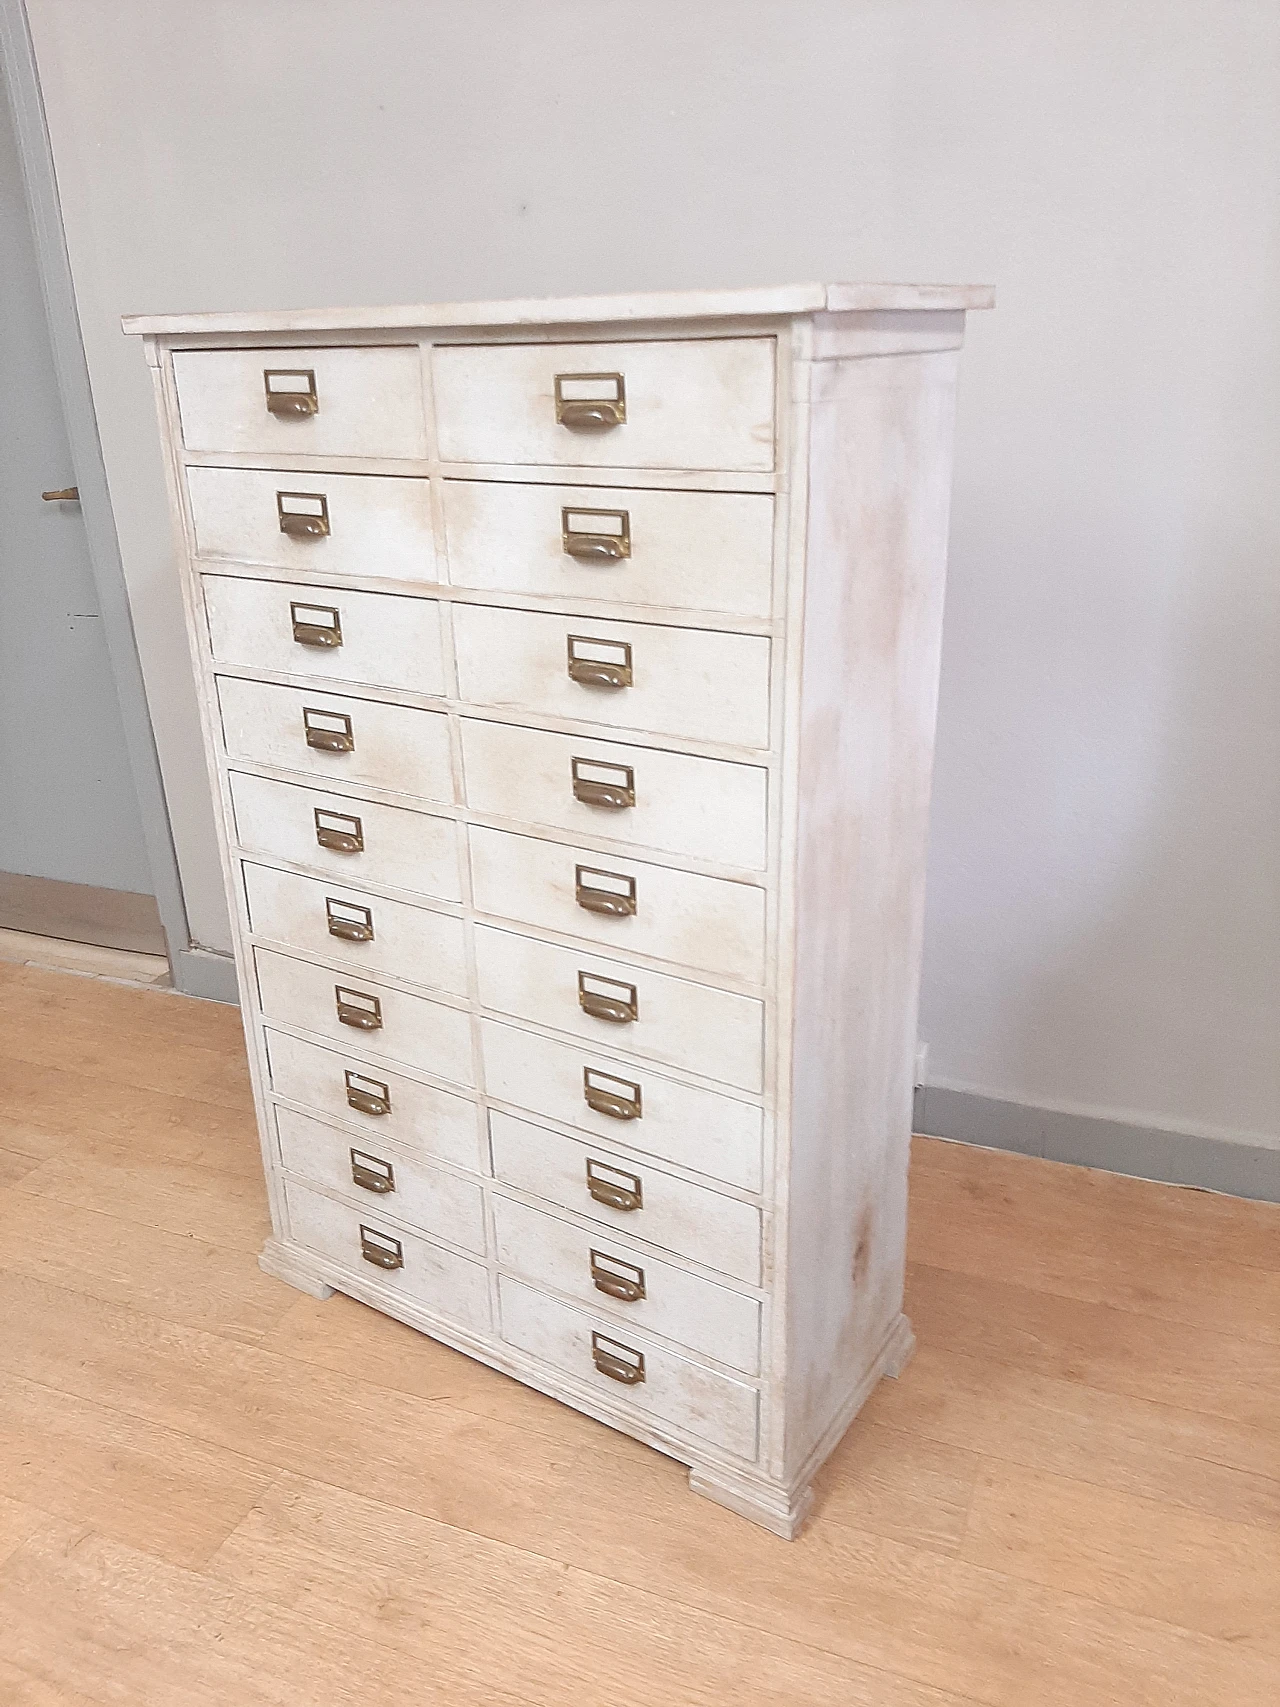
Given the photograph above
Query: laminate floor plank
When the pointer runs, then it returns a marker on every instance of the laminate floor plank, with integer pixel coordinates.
(13, 1165)
(1114, 1350)
(149, 1487)
(1108, 1251)
(429, 1590)
(20, 1689)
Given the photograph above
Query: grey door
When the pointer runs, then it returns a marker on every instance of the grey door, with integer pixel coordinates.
(72, 857)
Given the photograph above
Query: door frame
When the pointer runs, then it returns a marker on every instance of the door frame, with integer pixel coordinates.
(196, 971)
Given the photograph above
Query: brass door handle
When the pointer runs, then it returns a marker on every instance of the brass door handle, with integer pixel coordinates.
(381, 1249)
(591, 402)
(602, 897)
(64, 495)
(371, 1173)
(308, 632)
(342, 834)
(620, 1104)
(307, 523)
(350, 930)
(592, 417)
(291, 402)
(606, 1007)
(614, 1196)
(355, 1013)
(594, 547)
(593, 673)
(621, 1280)
(616, 906)
(617, 1368)
(323, 737)
(367, 1096)
(303, 527)
(602, 794)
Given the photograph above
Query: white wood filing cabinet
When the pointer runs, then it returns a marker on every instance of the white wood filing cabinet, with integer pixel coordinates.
(568, 672)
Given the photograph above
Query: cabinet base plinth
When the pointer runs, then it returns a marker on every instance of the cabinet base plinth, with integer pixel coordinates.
(774, 1509)
(278, 1260)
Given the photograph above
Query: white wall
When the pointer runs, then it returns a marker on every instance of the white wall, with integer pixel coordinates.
(1104, 881)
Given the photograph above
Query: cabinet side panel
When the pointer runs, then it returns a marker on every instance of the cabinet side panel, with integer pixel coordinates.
(880, 473)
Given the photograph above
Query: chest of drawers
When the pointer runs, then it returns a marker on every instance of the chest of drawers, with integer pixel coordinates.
(568, 674)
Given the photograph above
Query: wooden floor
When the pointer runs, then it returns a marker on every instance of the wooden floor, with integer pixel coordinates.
(217, 1491)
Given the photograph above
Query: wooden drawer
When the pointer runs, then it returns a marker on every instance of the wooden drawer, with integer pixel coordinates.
(376, 1103)
(704, 922)
(704, 403)
(413, 943)
(593, 1179)
(704, 551)
(363, 841)
(674, 1390)
(382, 1180)
(702, 808)
(369, 401)
(701, 1130)
(372, 525)
(419, 1032)
(613, 1005)
(292, 630)
(395, 747)
(694, 682)
(593, 1267)
(441, 1281)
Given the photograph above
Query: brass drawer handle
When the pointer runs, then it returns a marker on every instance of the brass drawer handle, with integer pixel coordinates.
(617, 1279)
(600, 663)
(611, 786)
(617, 1361)
(316, 625)
(604, 998)
(346, 920)
(585, 535)
(339, 833)
(606, 892)
(613, 1188)
(618, 1098)
(309, 522)
(356, 1009)
(291, 401)
(328, 731)
(380, 1248)
(367, 1096)
(371, 1173)
(591, 402)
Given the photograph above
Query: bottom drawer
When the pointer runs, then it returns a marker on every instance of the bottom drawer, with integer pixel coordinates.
(634, 1289)
(441, 1281)
(428, 1199)
(657, 1383)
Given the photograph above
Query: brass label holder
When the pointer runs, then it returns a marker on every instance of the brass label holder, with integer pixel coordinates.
(328, 731)
(316, 625)
(595, 536)
(338, 832)
(303, 515)
(591, 402)
(607, 892)
(614, 1188)
(617, 1279)
(291, 392)
(597, 784)
(380, 1248)
(607, 998)
(347, 920)
(619, 1362)
(600, 663)
(618, 1098)
(371, 1173)
(367, 1096)
(356, 1009)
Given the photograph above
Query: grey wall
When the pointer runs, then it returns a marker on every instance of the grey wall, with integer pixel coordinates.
(1103, 903)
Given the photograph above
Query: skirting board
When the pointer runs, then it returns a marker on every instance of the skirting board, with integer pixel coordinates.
(1146, 1152)
(201, 972)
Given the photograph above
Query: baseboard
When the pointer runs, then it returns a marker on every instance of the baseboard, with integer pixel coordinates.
(1087, 1141)
(201, 972)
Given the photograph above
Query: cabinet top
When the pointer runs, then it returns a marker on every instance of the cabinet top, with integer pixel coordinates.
(581, 310)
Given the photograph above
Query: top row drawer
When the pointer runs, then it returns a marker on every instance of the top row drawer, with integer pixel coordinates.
(691, 404)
